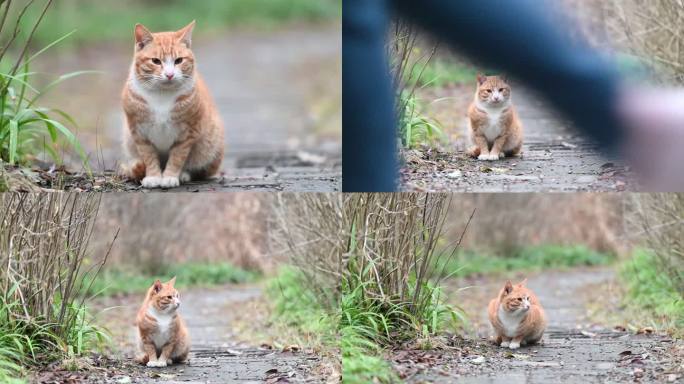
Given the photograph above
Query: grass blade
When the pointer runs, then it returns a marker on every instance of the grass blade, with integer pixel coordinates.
(14, 135)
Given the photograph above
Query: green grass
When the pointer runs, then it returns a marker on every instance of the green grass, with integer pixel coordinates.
(28, 129)
(362, 360)
(113, 21)
(369, 325)
(532, 258)
(27, 342)
(298, 309)
(364, 329)
(652, 294)
(120, 281)
(442, 72)
(417, 129)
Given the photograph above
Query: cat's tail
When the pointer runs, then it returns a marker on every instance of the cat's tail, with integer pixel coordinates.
(473, 151)
(142, 358)
(134, 170)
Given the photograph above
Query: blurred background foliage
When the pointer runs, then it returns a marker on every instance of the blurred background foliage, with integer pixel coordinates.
(112, 21)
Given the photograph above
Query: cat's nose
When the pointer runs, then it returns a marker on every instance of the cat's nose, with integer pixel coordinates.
(169, 75)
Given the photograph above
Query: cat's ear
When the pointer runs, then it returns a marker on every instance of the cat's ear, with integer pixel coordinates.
(523, 283)
(142, 36)
(185, 35)
(157, 286)
(508, 288)
(481, 78)
(172, 281)
(504, 78)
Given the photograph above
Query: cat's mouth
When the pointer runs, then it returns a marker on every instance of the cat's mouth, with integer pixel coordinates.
(520, 309)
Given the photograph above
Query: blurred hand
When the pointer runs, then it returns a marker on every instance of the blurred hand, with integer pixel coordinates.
(654, 118)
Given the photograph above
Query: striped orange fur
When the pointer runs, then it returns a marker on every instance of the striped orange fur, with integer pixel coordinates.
(173, 131)
(517, 316)
(163, 336)
(495, 129)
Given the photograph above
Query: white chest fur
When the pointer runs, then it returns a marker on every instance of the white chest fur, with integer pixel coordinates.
(161, 337)
(159, 127)
(510, 322)
(494, 127)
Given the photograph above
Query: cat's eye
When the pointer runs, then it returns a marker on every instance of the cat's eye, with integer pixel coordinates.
(179, 60)
(156, 61)
(501, 90)
(169, 297)
(489, 91)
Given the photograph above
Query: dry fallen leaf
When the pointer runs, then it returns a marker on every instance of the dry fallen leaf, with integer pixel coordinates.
(645, 331)
(588, 334)
(165, 376)
(291, 348)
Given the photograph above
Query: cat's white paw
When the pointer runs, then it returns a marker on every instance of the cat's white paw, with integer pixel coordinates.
(483, 157)
(185, 177)
(505, 344)
(169, 182)
(502, 155)
(493, 157)
(514, 345)
(169, 362)
(156, 364)
(151, 182)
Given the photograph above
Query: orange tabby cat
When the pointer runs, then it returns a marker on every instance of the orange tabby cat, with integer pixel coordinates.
(517, 316)
(495, 129)
(164, 339)
(174, 132)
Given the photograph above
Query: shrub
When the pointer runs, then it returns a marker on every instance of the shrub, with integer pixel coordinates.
(658, 221)
(46, 270)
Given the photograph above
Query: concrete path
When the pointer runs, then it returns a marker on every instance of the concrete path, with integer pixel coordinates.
(555, 157)
(573, 349)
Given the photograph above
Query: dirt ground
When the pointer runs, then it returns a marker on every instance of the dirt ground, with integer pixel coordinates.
(278, 92)
(220, 353)
(574, 348)
(555, 157)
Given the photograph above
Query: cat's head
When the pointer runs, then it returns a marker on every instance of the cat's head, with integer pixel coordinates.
(163, 60)
(515, 298)
(493, 91)
(164, 297)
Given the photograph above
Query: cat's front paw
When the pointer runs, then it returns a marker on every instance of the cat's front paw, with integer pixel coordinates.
(151, 182)
(514, 345)
(505, 344)
(169, 182)
(493, 157)
(169, 362)
(483, 157)
(156, 364)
